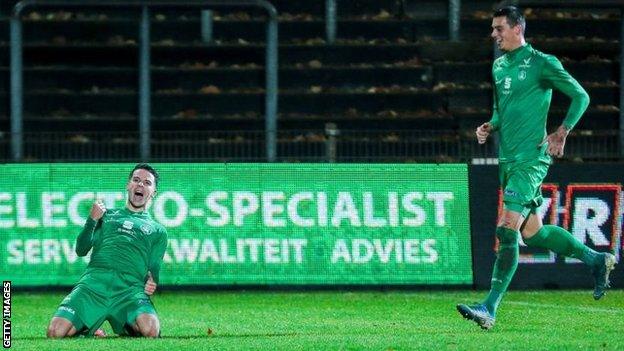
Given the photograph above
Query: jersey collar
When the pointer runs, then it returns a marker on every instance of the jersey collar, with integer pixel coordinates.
(519, 53)
(127, 211)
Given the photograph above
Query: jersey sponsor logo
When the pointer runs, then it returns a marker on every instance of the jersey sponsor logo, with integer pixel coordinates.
(126, 228)
(128, 225)
(507, 85)
(510, 193)
(68, 309)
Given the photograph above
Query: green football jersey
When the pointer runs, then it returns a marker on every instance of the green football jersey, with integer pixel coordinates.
(126, 242)
(523, 82)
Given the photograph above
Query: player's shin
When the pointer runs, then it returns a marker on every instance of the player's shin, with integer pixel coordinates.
(504, 267)
(562, 242)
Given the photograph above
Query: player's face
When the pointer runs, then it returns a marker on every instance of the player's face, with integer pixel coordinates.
(141, 188)
(507, 38)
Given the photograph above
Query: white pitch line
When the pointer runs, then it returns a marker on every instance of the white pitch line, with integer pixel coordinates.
(614, 310)
(566, 307)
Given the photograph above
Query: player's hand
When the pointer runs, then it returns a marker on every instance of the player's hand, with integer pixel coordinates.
(483, 131)
(556, 141)
(150, 285)
(97, 211)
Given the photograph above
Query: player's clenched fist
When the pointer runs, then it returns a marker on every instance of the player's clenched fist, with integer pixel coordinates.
(150, 285)
(483, 131)
(97, 210)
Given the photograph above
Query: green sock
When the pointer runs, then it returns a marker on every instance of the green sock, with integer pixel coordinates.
(561, 242)
(504, 267)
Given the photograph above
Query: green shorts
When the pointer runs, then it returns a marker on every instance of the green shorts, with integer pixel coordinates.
(104, 296)
(521, 183)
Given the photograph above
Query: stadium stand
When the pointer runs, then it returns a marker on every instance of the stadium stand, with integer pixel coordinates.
(393, 84)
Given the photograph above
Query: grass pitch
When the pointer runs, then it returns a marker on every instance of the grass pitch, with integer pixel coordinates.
(544, 320)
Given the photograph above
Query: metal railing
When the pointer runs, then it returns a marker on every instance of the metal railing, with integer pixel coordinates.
(17, 133)
(600, 4)
(314, 145)
(331, 18)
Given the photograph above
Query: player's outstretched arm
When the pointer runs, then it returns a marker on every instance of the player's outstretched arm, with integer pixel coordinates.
(84, 242)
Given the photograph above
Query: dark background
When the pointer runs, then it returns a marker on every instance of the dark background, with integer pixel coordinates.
(483, 215)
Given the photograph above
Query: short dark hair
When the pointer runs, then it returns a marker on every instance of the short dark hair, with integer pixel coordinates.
(148, 168)
(513, 14)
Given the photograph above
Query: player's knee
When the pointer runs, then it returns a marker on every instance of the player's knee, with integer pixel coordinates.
(56, 330)
(506, 223)
(506, 235)
(149, 326)
(150, 331)
(510, 220)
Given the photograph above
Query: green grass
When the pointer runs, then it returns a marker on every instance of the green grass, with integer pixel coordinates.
(544, 320)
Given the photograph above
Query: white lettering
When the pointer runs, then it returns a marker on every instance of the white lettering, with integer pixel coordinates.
(51, 251)
(292, 207)
(438, 199)
(586, 225)
(16, 255)
(271, 251)
(362, 250)
(345, 209)
(216, 207)
(209, 250)
(419, 214)
(270, 209)
(393, 209)
(245, 203)
(6, 209)
(22, 213)
(341, 252)
(50, 209)
(321, 208)
(429, 248)
(369, 212)
(74, 203)
(180, 205)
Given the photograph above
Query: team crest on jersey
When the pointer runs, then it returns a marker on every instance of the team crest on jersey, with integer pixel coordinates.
(522, 75)
(128, 225)
(147, 229)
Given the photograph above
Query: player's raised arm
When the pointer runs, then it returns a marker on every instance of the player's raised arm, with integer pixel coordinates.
(84, 242)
